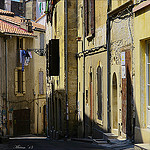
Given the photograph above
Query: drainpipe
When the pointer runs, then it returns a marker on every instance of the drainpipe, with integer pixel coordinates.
(83, 46)
(77, 64)
(37, 115)
(24, 8)
(108, 66)
(66, 66)
(6, 84)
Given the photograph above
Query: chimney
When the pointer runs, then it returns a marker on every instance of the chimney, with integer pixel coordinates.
(26, 24)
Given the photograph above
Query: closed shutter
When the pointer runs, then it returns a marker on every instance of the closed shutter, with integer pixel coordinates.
(99, 91)
(86, 16)
(47, 59)
(41, 91)
(23, 82)
(16, 81)
(92, 17)
(41, 41)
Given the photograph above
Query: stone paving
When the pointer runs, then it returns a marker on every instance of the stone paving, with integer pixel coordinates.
(43, 143)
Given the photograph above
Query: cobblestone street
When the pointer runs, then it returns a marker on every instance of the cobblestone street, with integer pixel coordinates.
(42, 143)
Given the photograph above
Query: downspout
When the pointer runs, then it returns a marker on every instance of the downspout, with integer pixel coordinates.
(66, 66)
(83, 71)
(108, 66)
(24, 8)
(77, 64)
(6, 83)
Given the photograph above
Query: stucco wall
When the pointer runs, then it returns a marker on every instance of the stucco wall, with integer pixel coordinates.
(142, 35)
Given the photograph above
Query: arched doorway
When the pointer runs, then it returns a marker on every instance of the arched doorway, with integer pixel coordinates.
(114, 105)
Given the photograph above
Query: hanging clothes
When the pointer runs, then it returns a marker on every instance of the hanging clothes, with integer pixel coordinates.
(23, 59)
(21, 56)
(30, 54)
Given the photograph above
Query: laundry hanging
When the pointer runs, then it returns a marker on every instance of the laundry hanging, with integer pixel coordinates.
(25, 58)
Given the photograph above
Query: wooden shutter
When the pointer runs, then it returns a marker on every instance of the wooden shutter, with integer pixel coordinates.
(54, 57)
(41, 91)
(92, 17)
(23, 82)
(16, 81)
(86, 16)
(99, 91)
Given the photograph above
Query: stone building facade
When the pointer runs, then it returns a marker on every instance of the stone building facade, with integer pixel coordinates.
(62, 87)
(121, 69)
(141, 54)
(23, 94)
(92, 68)
(111, 70)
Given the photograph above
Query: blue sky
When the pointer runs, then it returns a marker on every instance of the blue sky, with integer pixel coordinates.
(16, 0)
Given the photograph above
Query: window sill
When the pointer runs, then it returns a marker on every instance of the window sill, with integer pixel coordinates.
(19, 94)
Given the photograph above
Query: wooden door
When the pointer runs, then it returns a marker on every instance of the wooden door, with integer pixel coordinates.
(21, 122)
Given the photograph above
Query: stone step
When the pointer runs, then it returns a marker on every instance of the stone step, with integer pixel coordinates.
(107, 136)
(99, 141)
(142, 147)
(82, 140)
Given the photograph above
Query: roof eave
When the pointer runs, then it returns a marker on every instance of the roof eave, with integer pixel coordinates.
(20, 35)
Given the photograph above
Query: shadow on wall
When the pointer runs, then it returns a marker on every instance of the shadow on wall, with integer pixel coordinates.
(58, 122)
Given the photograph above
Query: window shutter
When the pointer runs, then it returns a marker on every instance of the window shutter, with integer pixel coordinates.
(23, 82)
(16, 81)
(92, 17)
(86, 16)
(41, 41)
(54, 63)
(47, 59)
(41, 91)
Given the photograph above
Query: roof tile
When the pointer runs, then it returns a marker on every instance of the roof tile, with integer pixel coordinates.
(5, 12)
(12, 29)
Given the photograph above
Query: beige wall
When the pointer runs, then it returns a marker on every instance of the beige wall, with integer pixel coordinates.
(57, 31)
(93, 62)
(26, 101)
(142, 36)
(120, 41)
(29, 10)
(39, 65)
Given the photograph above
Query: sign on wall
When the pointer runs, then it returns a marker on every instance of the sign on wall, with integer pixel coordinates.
(123, 67)
(122, 58)
(123, 72)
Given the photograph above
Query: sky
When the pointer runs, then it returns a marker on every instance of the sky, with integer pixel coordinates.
(16, 0)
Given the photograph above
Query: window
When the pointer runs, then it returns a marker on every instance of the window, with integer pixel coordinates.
(41, 90)
(89, 17)
(148, 83)
(99, 92)
(19, 81)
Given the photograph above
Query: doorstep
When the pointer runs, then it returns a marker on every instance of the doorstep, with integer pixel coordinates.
(142, 146)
